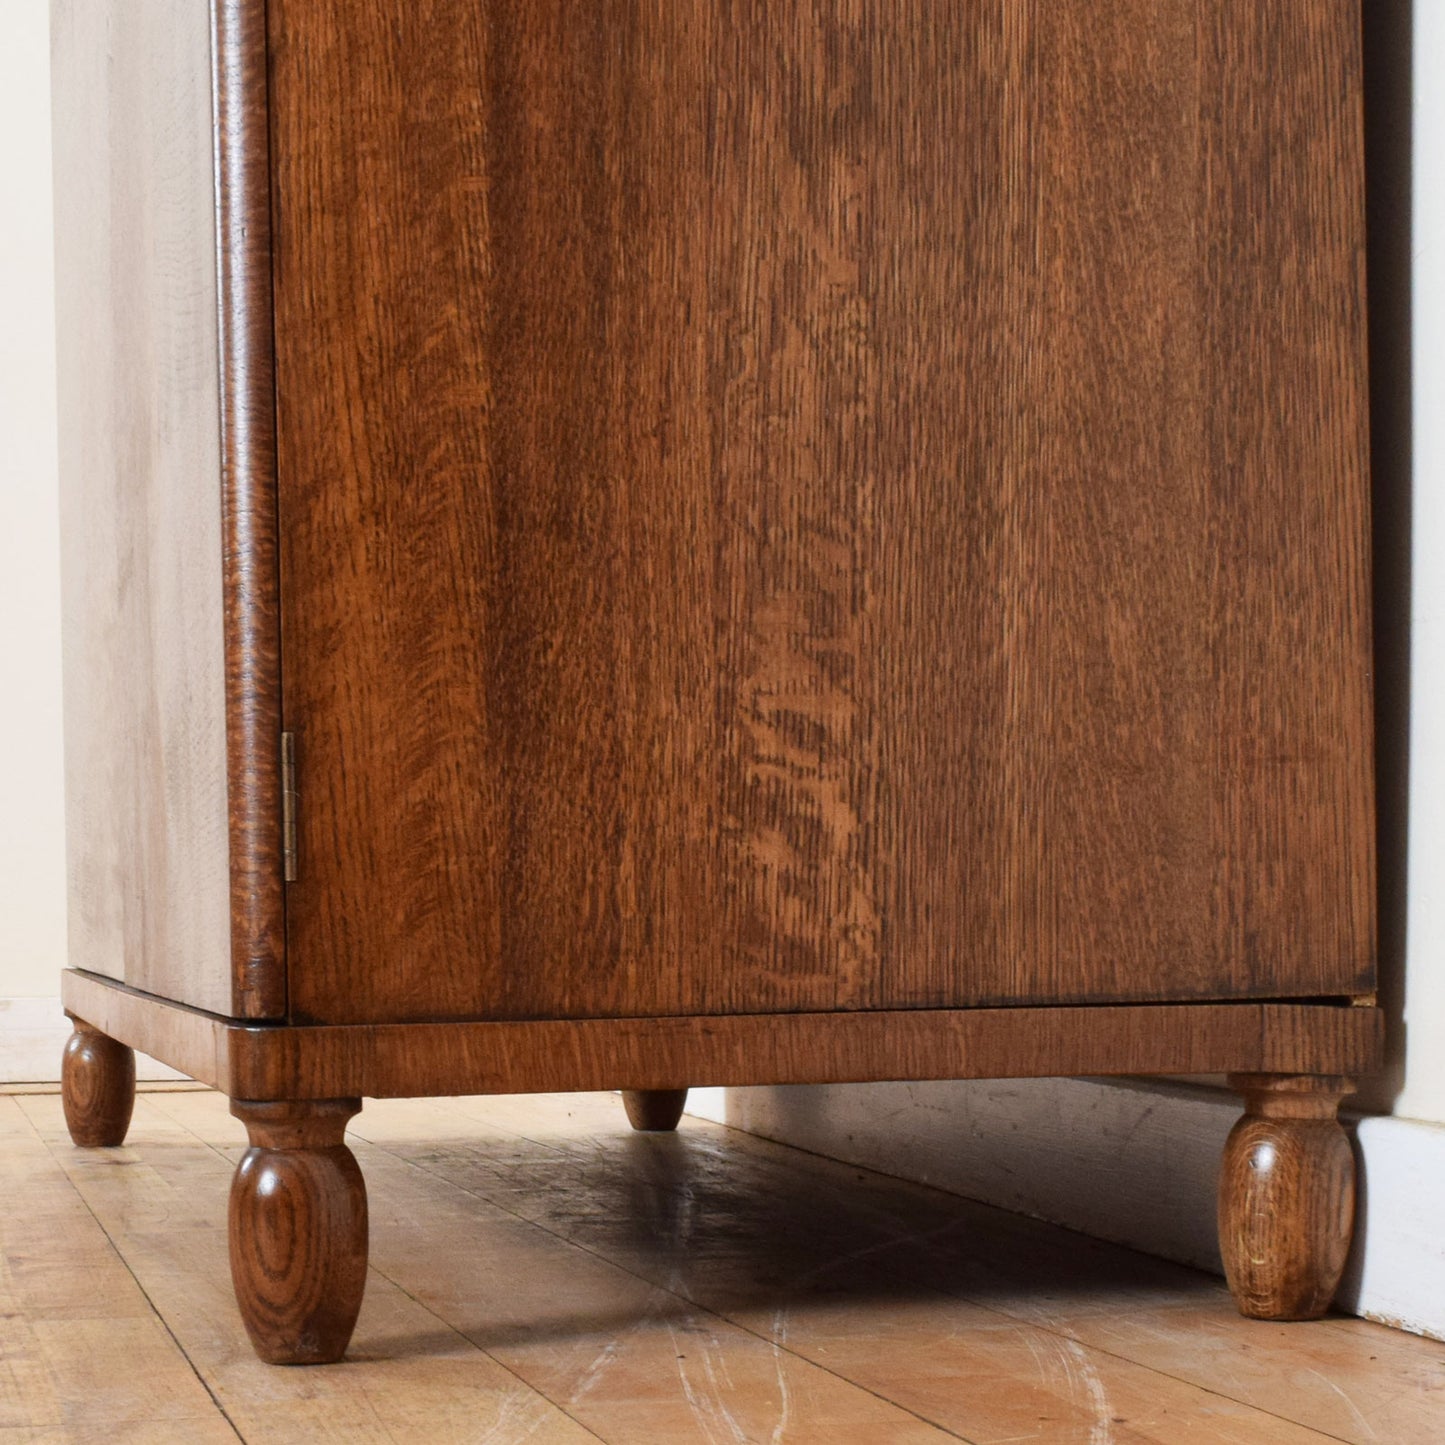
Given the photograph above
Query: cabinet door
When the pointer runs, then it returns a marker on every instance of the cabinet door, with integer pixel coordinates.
(827, 504)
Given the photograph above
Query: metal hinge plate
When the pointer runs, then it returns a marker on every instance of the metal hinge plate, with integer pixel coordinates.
(288, 807)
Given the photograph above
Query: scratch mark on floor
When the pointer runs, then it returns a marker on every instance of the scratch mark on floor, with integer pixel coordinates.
(785, 1399)
(1363, 1423)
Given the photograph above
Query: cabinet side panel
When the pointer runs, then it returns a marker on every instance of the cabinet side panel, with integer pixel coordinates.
(140, 465)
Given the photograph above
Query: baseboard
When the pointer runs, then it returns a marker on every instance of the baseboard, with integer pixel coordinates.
(33, 1031)
(1136, 1163)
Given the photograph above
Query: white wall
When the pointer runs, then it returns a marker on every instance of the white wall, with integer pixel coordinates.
(32, 864)
(32, 779)
(1423, 1093)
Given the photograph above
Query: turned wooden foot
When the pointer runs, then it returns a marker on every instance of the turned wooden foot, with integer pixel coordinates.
(654, 1111)
(1286, 1196)
(298, 1230)
(97, 1077)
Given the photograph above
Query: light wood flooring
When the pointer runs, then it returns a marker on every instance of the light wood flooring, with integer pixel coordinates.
(539, 1273)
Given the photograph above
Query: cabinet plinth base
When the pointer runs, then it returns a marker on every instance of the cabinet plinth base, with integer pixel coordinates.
(298, 1230)
(424, 1060)
(654, 1111)
(1286, 1196)
(97, 1087)
(298, 1203)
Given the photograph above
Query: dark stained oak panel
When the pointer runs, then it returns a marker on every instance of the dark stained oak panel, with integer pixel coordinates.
(249, 514)
(261, 1061)
(1286, 1196)
(821, 506)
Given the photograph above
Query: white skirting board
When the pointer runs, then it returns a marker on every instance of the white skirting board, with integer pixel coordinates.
(33, 1031)
(1133, 1162)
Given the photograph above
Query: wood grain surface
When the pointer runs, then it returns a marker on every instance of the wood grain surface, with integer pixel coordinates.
(259, 1061)
(821, 506)
(249, 512)
(298, 1231)
(97, 1080)
(1286, 1196)
(539, 1269)
(490, 1211)
(140, 468)
(654, 1111)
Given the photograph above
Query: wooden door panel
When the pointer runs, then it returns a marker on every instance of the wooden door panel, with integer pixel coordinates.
(821, 505)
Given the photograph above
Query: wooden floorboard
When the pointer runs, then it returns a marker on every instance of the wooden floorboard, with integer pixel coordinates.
(542, 1274)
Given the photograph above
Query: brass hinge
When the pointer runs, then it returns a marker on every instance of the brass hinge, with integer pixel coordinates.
(288, 807)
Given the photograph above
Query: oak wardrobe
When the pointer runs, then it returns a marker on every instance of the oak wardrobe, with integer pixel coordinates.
(632, 545)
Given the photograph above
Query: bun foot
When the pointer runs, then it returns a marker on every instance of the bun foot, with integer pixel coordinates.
(97, 1087)
(654, 1111)
(298, 1231)
(1286, 1196)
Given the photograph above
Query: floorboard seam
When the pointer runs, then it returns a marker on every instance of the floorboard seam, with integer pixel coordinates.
(684, 1299)
(880, 1249)
(462, 1153)
(145, 1293)
(421, 1304)
(1074, 1339)
(483, 1350)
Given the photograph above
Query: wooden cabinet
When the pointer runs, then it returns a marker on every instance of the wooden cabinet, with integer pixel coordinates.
(629, 545)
